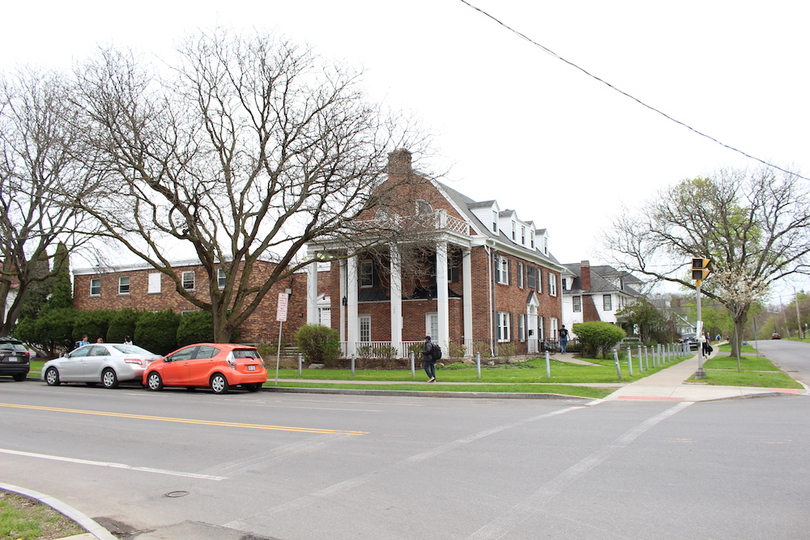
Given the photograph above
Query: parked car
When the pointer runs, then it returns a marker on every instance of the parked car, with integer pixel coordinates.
(216, 365)
(105, 363)
(776, 335)
(691, 339)
(14, 359)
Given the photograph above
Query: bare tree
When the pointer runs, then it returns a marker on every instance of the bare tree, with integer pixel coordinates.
(247, 150)
(755, 228)
(39, 178)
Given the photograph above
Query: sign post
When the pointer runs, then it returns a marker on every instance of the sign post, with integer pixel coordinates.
(281, 316)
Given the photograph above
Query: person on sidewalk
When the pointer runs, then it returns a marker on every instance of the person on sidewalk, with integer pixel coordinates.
(428, 363)
(563, 339)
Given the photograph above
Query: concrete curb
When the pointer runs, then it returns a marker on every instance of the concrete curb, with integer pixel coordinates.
(93, 528)
(417, 393)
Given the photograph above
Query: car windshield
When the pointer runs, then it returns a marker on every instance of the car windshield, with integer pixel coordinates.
(8, 346)
(246, 353)
(132, 349)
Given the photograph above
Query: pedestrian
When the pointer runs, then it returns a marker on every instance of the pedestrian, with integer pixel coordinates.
(127, 340)
(563, 339)
(99, 340)
(82, 342)
(427, 360)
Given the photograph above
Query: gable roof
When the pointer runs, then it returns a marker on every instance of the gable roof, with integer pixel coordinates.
(465, 205)
(604, 279)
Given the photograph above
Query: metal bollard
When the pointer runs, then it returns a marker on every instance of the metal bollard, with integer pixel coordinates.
(352, 365)
(413, 364)
(548, 366)
(478, 363)
(630, 361)
(300, 362)
(618, 367)
(640, 359)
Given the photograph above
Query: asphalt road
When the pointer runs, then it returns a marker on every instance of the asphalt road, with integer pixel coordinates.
(296, 466)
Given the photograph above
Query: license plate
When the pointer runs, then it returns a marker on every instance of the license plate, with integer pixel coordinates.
(251, 368)
(13, 359)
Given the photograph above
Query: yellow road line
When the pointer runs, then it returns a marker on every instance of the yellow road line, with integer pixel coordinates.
(186, 420)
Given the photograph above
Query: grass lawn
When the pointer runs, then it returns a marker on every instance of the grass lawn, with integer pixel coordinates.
(22, 518)
(755, 371)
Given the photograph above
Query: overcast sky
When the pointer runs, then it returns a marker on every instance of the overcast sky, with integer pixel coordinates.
(511, 122)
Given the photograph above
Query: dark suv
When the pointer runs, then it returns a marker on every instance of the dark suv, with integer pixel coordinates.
(14, 359)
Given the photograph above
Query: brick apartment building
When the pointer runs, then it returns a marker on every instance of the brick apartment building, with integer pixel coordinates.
(502, 283)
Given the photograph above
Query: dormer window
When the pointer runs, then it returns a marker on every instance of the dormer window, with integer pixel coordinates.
(494, 221)
(523, 235)
(514, 231)
(531, 239)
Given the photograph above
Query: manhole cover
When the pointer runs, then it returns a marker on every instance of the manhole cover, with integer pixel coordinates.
(175, 494)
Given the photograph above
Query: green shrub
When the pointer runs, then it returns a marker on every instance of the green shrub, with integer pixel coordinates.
(457, 350)
(122, 324)
(157, 332)
(195, 327)
(598, 337)
(319, 344)
(507, 350)
(93, 324)
(482, 348)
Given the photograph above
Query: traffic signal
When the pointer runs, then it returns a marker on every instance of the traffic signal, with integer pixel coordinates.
(700, 269)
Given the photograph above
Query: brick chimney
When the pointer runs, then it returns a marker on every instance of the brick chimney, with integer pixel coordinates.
(399, 162)
(585, 275)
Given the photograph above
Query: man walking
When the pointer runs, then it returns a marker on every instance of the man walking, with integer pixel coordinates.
(428, 363)
(563, 339)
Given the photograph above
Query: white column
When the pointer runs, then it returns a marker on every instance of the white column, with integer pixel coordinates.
(312, 293)
(396, 298)
(441, 295)
(352, 299)
(342, 274)
(466, 278)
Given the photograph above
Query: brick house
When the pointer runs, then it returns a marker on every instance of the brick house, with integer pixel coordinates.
(502, 283)
(141, 287)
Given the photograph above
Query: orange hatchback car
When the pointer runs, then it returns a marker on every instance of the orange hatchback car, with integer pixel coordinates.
(215, 365)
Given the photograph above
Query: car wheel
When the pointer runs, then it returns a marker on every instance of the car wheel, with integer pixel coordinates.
(20, 377)
(52, 377)
(109, 379)
(254, 387)
(219, 384)
(154, 382)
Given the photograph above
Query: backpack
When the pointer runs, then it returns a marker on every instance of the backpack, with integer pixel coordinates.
(436, 352)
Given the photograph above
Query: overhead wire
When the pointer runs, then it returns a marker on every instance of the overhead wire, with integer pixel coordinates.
(630, 96)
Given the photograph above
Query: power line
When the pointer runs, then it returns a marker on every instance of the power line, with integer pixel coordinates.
(622, 92)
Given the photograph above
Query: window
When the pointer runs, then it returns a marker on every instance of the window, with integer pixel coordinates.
(514, 231)
(365, 328)
(366, 273)
(531, 239)
(154, 283)
(503, 271)
(453, 267)
(221, 278)
(539, 280)
(494, 221)
(520, 275)
(607, 302)
(541, 332)
(432, 325)
(504, 333)
(123, 285)
(554, 326)
(95, 287)
(531, 277)
(188, 280)
(522, 327)
(552, 284)
(577, 304)
(564, 283)
(523, 235)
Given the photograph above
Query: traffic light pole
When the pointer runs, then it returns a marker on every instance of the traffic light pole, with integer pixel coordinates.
(699, 374)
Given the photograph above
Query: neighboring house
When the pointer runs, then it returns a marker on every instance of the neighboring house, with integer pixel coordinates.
(488, 277)
(141, 287)
(596, 293)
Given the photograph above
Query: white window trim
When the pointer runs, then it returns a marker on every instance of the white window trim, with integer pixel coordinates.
(366, 274)
(193, 280)
(122, 284)
(576, 303)
(503, 271)
(97, 280)
(153, 283)
(552, 284)
(364, 320)
(521, 269)
(522, 327)
(504, 330)
(607, 302)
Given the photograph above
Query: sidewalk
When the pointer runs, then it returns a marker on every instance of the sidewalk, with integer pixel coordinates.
(668, 385)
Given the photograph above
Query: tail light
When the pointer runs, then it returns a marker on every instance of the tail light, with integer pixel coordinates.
(137, 361)
(230, 360)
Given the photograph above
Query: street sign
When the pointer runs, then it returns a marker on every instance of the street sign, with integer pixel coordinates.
(281, 309)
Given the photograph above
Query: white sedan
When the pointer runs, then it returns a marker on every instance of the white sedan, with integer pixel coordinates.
(105, 363)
